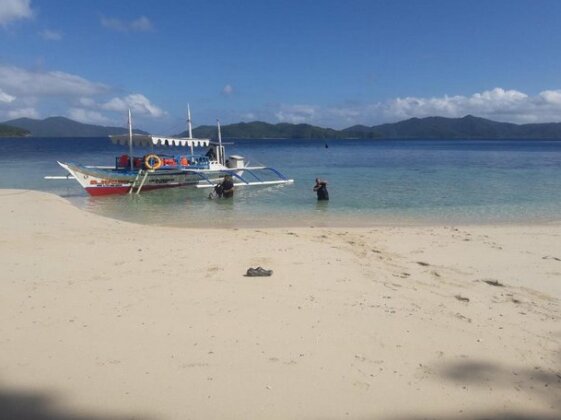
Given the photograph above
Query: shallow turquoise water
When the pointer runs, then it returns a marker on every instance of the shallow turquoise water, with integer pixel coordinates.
(370, 182)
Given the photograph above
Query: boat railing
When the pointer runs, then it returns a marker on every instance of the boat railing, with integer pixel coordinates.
(122, 163)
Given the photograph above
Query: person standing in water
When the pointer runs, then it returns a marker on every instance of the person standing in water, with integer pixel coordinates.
(321, 189)
(227, 187)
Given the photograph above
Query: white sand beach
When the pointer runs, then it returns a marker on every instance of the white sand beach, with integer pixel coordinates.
(102, 319)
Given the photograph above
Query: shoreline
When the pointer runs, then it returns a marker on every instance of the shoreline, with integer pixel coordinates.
(105, 318)
(310, 219)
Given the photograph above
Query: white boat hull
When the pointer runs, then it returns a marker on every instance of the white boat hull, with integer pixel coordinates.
(106, 182)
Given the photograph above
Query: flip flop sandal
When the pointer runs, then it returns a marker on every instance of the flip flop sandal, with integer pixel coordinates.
(264, 272)
(258, 272)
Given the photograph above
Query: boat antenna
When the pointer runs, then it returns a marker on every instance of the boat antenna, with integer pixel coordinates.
(189, 122)
(130, 140)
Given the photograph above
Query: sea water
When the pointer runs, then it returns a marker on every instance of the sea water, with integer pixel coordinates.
(370, 182)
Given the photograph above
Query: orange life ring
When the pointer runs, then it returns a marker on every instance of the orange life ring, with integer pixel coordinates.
(152, 161)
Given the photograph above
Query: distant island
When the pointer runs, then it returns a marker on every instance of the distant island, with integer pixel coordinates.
(63, 127)
(263, 130)
(468, 127)
(11, 131)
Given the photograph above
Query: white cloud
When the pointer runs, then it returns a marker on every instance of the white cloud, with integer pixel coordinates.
(142, 24)
(39, 83)
(227, 90)
(11, 10)
(138, 104)
(250, 116)
(6, 98)
(30, 93)
(491, 102)
(297, 114)
(496, 104)
(22, 113)
(88, 116)
(50, 35)
(552, 97)
(88, 102)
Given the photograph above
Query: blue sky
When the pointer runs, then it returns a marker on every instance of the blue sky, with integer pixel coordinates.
(328, 63)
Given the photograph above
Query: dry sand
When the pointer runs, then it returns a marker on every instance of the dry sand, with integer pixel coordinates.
(102, 319)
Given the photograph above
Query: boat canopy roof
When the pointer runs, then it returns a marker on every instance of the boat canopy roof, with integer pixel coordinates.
(144, 140)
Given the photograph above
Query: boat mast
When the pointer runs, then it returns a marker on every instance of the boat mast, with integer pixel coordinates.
(130, 140)
(190, 127)
(189, 122)
(219, 154)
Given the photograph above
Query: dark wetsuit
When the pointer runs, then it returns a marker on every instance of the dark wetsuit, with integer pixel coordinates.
(227, 185)
(321, 190)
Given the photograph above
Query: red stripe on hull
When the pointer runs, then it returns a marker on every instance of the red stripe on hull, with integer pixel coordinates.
(97, 191)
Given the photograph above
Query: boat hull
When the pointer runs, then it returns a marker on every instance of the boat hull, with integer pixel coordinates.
(99, 182)
(105, 190)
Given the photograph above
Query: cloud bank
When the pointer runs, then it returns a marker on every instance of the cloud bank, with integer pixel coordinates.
(27, 93)
(11, 10)
(137, 103)
(498, 104)
(38, 93)
(23, 82)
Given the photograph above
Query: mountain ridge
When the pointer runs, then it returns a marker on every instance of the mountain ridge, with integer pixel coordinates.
(467, 127)
(65, 127)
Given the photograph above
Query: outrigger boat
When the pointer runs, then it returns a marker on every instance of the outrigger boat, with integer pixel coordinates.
(133, 174)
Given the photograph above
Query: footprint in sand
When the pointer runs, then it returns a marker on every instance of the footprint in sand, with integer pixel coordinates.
(212, 270)
(493, 282)
(362, 385)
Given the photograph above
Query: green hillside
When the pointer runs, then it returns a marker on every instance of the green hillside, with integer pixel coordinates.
(11, 131)
(263, 130)
(468, 127)
(64, 127)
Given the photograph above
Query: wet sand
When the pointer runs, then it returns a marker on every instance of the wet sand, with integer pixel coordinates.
(106, 319)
